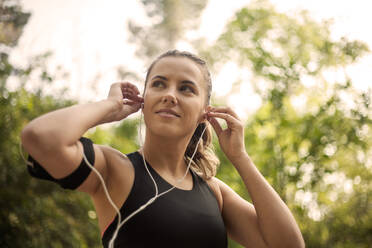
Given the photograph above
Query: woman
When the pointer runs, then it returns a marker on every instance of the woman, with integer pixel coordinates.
(200, 210)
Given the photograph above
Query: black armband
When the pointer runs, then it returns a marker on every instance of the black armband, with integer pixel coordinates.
(76, 178)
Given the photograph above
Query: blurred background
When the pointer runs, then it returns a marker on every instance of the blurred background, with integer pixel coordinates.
(298, 73)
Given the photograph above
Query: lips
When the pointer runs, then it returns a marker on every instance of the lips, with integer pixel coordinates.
(168, 111)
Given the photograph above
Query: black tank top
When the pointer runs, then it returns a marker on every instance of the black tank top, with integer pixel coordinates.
(180, 218)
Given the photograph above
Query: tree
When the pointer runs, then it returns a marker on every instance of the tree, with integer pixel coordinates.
(317, 158)
(33, 213)
(299, 151)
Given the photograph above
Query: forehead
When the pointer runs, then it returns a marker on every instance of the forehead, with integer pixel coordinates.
(180, 67)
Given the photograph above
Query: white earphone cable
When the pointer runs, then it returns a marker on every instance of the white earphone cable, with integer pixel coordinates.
(151, 200)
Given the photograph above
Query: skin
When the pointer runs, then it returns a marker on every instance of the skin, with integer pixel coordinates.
(184, 92)
(174, 83)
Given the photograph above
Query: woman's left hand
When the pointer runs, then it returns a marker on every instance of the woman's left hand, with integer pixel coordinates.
(231, 139)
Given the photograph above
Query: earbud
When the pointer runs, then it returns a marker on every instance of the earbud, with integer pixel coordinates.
(204, 116)
(142, 105)
(206, 112)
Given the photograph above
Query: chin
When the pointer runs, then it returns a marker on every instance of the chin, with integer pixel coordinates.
(166, 130)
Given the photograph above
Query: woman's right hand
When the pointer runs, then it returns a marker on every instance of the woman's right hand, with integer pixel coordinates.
(128, 95)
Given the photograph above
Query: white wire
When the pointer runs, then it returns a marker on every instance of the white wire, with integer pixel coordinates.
(21, 152)
(151, 200)
(157, 195)
(95, 171)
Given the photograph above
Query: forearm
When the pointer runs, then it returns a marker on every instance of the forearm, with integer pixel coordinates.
(277, 225)
(65, 126)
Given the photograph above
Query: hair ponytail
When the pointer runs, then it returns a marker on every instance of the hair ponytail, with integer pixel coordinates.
(205, 162)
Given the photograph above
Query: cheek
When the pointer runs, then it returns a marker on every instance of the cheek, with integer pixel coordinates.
(195, 111)
(148, 99)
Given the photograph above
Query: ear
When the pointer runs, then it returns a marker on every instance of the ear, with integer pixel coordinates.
(203, 115)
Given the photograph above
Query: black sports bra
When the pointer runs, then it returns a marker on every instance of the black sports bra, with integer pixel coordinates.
(180, 218)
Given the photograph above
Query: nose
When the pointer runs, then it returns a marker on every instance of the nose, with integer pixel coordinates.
(169, 97)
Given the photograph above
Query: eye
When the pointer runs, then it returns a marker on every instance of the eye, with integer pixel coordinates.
(187, 88)
(158, 84)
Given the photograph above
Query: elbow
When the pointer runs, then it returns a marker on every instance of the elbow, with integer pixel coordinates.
(32, 138)
(28, 136)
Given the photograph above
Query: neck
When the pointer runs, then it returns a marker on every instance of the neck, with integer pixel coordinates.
(166, 154)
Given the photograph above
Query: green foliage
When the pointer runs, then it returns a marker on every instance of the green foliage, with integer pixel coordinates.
(281, 48)
(33, 213)
(40, 212)
(121, 137)
(36, 213)
(317, 159)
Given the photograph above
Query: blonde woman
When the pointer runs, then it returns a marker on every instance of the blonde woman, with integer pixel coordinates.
(166, 193)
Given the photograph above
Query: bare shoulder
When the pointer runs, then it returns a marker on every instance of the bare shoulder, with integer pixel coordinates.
(111, 154)
(217, 185)
(108, 161)
(222, 191)
(214, 184)
(119, 178)
(116, 162)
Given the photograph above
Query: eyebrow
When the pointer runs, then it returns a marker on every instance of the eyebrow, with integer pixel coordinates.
(183, 81)
(160, 77)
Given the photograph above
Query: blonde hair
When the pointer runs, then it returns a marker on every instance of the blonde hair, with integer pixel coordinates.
(205, 161)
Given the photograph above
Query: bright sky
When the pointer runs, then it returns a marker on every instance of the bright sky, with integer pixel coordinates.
(89, 38)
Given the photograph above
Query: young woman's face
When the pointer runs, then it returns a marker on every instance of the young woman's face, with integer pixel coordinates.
(175, 97)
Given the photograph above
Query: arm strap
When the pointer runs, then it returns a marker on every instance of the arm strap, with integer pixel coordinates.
(76, 178)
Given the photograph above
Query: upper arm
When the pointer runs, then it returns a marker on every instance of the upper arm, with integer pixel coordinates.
(61, 161)
(240, 218)
(92, 182)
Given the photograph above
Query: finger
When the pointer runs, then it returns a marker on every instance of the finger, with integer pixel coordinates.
(130, 86)
(135, 98)
(134, 88)
(226, 110)
(129, 102)
(128, 90)
(130, 94)
(227, 117)
(216, 125)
